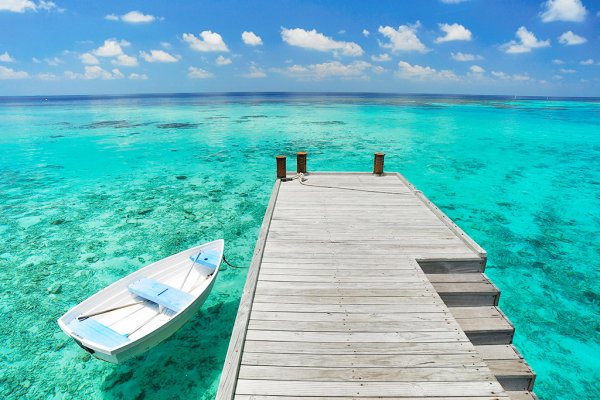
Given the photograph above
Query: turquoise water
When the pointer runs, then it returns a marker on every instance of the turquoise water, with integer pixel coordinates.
(92, 189)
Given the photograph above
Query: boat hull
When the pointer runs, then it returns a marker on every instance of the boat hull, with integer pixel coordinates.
(152, 339)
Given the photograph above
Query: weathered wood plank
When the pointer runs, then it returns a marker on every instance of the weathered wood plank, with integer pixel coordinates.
(495, 397)
(371, 374)
(458, 361)
(475, 312)
(257, 346)
(353, 326)
(362, 389)
(408, 301)
(458, 277)
(350, 316)
(358, 337)
(358, 292)
(344, 308)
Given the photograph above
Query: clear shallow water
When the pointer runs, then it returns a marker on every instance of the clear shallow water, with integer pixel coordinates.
(89, 192)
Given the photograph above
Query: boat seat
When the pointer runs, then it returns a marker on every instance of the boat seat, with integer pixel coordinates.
(161, 294)
(94, 331)
(208, 258)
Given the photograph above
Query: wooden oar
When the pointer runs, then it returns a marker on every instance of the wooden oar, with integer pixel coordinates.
(84, 317)
(190, 270)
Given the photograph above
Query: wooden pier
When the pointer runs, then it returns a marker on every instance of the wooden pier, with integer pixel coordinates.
(360, 287)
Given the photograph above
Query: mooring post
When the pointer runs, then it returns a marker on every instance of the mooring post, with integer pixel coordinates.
(281, 167)
(378, 164)
(301, 162)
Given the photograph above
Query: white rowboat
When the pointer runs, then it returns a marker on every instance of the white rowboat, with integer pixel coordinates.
(141, 310)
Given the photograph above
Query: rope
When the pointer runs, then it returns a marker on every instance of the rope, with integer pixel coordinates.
(231, 265)
(301, 179)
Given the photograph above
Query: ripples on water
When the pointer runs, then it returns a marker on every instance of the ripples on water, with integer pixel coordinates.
(92, 189)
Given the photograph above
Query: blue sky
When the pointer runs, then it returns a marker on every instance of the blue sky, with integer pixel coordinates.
(535, 47)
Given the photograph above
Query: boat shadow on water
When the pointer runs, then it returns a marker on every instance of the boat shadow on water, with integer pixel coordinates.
(186, 365)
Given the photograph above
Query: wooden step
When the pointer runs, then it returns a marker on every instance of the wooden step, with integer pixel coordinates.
(508, 366)
(521, 395)
(446, 266)
(484, 325)
(465, 290)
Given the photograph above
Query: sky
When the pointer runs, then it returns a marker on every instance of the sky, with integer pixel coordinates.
(507, 47)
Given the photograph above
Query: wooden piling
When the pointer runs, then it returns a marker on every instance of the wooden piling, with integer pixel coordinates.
(301, 162)
(281, 167)
(378, 164)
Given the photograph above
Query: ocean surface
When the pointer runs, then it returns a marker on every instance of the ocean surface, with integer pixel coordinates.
(93, 188)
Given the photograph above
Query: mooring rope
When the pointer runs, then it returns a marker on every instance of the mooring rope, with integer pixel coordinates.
(301, 179)
(230, 264)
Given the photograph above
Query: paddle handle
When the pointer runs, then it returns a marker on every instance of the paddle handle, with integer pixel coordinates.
(84, 317)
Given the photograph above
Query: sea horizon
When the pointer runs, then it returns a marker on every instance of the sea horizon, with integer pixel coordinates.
(299, 94)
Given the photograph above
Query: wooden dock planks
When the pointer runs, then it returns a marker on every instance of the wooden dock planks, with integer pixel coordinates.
(336, 305)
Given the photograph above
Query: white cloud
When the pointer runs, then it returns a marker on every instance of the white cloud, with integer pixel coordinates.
(465, 57)
(36, 60)
(222, 61)
(557, 61)
(255, 72)
(207, 41)
(46, 76)
(5, 57)
(9, 73)
(563, 10)
(199, 73)
(408, 71)
(138, 77)
(476, 69)
(453, 32)
(366, 33)
(125, 61)
(381, 58)
(570, 39)
(505, 76)
(133, 17)
(501, 75)
(378, 69)
(589, 61)
(251, 39)
(159, 56)
(111, 48)
(527, 42)
(21, 6)
(136, 17)
(317, 41)
(89, 59)
(354, 70)
(53, 62)
(403, 39)
(95, 72)
(166, 45)
(567, 71)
